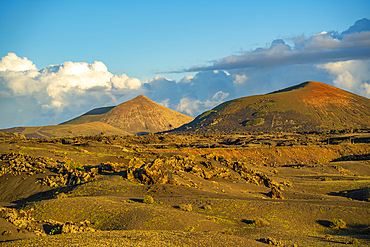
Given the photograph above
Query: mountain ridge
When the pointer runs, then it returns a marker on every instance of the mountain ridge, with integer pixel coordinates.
(307, 106)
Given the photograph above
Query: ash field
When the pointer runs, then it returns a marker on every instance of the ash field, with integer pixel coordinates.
(285, 189)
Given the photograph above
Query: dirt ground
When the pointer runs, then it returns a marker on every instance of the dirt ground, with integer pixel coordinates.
(301, 189)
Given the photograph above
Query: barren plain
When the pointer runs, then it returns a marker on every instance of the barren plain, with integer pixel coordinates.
(282, 189)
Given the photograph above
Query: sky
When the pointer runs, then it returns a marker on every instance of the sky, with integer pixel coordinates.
(60, 59)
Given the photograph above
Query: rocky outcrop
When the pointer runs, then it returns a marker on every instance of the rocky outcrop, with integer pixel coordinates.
(251, 176)
(68, 172)
(68, 227)
(24, 221)
(153, 173)
(271, 241)
(21, 219)
(202, 169)
(68, 176)
(275, 193)
(161, 169)
(16, 163)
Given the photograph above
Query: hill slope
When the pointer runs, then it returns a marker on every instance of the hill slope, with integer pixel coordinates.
(304, 107)
(136, 116)
(67, 130)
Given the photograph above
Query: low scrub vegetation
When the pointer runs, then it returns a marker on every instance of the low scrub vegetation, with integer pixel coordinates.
(186, 207)
(338, 224)
(148, 199)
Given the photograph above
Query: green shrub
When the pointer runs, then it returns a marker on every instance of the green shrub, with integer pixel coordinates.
(205, 114)
(253, 122)
(328, 237)
(61, 196)
(353, 241)
(338, 224)
(260, 113)
(186, 207)
(148, 199)
(74, 165)
(189, 228)
(55, 230)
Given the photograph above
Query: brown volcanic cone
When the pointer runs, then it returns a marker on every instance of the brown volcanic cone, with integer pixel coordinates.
(144, 115)
(307, 106)
(139, 115)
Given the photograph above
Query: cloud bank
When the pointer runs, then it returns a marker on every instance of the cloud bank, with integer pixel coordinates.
(32, 97)
(59, 92)
(354, 43)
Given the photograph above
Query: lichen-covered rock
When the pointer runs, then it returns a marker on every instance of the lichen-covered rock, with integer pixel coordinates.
(275, 193)
(17, 163)
(153, 173)
(19, 218)
(67, 176)
(251, 176)
(70, 227)
(136, 163)
(271, 241)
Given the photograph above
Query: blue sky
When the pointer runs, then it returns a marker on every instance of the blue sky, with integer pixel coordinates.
(67, 57)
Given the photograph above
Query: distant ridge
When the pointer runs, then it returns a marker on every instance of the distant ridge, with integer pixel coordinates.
(96, 111)
(308, 106)
(66, 130)
(136, 116)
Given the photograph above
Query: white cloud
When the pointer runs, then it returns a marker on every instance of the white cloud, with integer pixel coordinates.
(240, 79)
(195, 106)
(17, 75)
(320, 41)
(123, 81)
(75, 76)
(189, 105)
(220, 96)
(14, 63)
(159, 77)
(352, 75)
(59, 92)
(366, 86)
(187, 79)
(19, 82)
(165, 103)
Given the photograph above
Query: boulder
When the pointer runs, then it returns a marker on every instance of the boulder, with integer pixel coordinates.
(275, 193)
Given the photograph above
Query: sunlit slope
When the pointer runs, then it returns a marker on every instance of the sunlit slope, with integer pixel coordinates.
(67, 130)
(307, 106)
